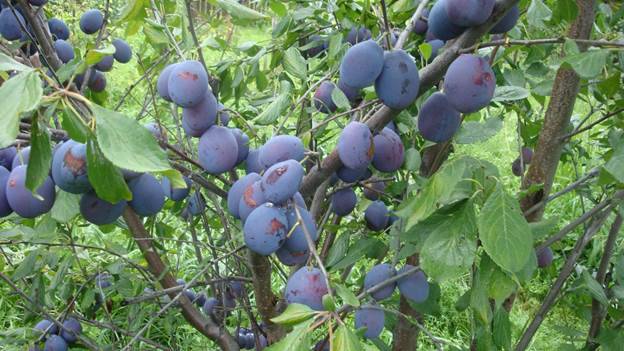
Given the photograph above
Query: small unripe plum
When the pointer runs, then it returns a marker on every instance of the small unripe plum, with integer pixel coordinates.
(69, 168)
(64, 50)
(297, 241)
(58, 29)
(91, 21)
(323, 98)
(508, 22)
(71, 330)
(197, 119)
(123, 51)
(372, 319)
(343, 201)
(355, 146)
(148, 198)
(397, 85)
(281, 148)
(236, 192)
(389, 151)
(376, 216)
(21, 198)
(469, 13)
(469, 83)
(188, 83)
(163, 82)
(414, 286)
(362, 64)
(440, 24)
(253, 196)
(307, 286)
(98, 211)
(377, 275)
(218, 150)
(281, 181)
(438, 121)
(544, 257)
(265, 229)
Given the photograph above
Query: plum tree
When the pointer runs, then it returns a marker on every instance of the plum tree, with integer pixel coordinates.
(91, 21)
(376, 215)
(544, 257)
(69, 168)
(11, 24)
(162, 85)
(55, 343)
(421, 26)
(343, 201)
(281, 148)
(105, 64)
(242, 140)
(358, 34)
(218, 150)
(362, 64)
(350, 175)
(508, 22)
(176, 194)
(323, 97)
(5, 208)
(413, 286)
(265, 229)
(297, 241)
(438, 121)
(355, 146)
(71, 330)
(21, 157)
(373, 189)
(6, 157)
(21, 198)
(289, 258)
(253, 164)
(281, 181)
(469, 13)
(377, 275)
(389, 151)
(235, 193)
(188, 83)
(47, 326)
(123, 51)
(307, 286)
(98, 211)
(197, 119)
(469, 83)
(372, 318)
(58, 29)
(253, 196)
(440, 24)
(397, 85)
(148, 197)
(98, 83)
(64, 50)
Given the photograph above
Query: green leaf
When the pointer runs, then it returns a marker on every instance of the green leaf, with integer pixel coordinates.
(40, 156)
(106, 179)
(298, 339)
(504, 232)
(412, 159)
(127, 144)
(21, 93)
(588, 64)
(65, 206)
(345, 340)
(329, 303)
(425, 50)
(7, 63)
(61, 272)
(338, 250)
(449, 251)
(239, 11)
(74, 125)
(595, 289)
(510, 93)
(538, 13)
(347, 296)
(295, 64)
(356, 252)
(340, 99)
(294, 314)
(277, 106)
(475, 132)
(27, 266)
(501, 333)
(544, 227)
(615, 165)
(94, 56)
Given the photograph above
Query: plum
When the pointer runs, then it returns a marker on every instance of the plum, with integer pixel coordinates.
(242, 140)
(162, 85)
(71, 330)
(188, 83)
(218, 150)
(236, 192)
(307, 286)
(123, 51)
(105, 64)
(436, 45)
(362, 64)
(210, 306)
(438, 121)
(55, 343)
(148, 197)
(544, 257)
(281, 148)
(343, 201)
(224, 115)
(350, 175)
(358, 34)
(253, 162)
(69, 168)
(376, 216)
(373, 189)
(98, 83)
(389, 151)
(197, 119)
(517, 168)
(507, 22)
(21, 158)
(413, 286)
(355, 146)
(253, 196)
(377, 275)
(5, 208)
(176, 194)
(64, 50)
(265, 229)
(7, 155)
(397, 85)
(323, 97)
(91, 21)
(316, 45)
(297, 241)
(11, 24)
(352, 94)
(440, 24)
(47, 326)
(469, 13)
(196, 204)
(421, 26)
(372, 319)
(289, 258)
(281, 181)
(469, 83)
(21, 198)
(103, 281)
(98, 211)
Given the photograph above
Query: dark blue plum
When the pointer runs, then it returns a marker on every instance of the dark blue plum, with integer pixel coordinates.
(440, 24)
(69, 168)
(98, 83)
(420, 27)
(55, 343)
(47, 326)
(37, 2)
(358, 35)
(211, 306)
(176, 194)
(544, 257)
(469, 83)
(253, 196)
(292, 258)
(91, 21)
(389, 151)
(307, 286)
(158, 131)
(508, 22)
(517, 168)
(236, 192)
(197, 119)
(527, 155)
(265, 229)
(323, 97)
(469, 13)
(352, 94)
(103, 281)
(377, 275)
(218, 150)
(362, 64)
(64, 50)
(163, 82)
(253, 162)
(236, 288)
(281, 148)
(11, 24)
(355, 146)
(148, 197)
(6, 157)
(281, 181)
(376, 216)
(343, 202)
(415, 286)
(371, 318)
(71, 330)
(5, 208)
(98, 211)
(123, 51)
(200, 300)
(374, 189)
(438, 121)
(350, 175)
(79, 78)
(21, 157)
(316, 46)
(397, 85)
(58, 29)
(297, 241)
(436, 45)
(188, 84)
(21, 198)
(196, 204)
(242, 140)
(105, 64)
(224, 115)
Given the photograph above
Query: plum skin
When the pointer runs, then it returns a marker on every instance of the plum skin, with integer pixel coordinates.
(265, 229)
(21, 199)
(355, 145)
(377, 275)
(307, 286)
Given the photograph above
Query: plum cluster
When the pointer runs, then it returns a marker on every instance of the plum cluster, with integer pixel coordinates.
(247, 339)
(55, 338)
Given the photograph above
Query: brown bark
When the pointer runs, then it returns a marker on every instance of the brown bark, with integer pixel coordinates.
(266, 301)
